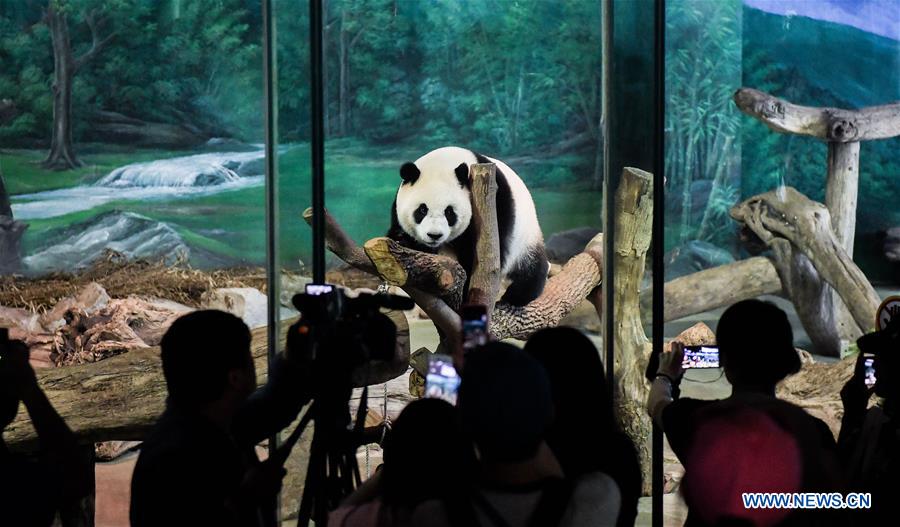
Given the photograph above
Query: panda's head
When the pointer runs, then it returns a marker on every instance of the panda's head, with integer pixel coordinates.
(433, 203)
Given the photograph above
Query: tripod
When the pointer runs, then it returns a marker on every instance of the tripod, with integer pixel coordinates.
(333, 471)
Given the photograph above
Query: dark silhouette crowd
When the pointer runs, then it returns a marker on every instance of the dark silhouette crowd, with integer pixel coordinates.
(533, 441)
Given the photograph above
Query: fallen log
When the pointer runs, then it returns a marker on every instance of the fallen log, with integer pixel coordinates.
(714, 288)
(121, 397)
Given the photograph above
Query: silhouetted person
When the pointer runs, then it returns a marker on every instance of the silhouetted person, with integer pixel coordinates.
(506, 408)
(198, 466)
(426, 457)
(34, 489)
(870, 438)
(585, 436)
(756, 350)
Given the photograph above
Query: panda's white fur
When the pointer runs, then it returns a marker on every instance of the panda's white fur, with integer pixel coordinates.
(438, 187)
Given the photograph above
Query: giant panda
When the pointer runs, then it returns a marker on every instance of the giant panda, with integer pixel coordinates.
(433, 210)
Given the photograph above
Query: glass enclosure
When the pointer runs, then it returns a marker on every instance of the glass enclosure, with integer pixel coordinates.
(719, 154)
(137, 186)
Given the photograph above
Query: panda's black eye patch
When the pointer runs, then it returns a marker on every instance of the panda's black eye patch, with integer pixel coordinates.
(420, 213)
(451, 216)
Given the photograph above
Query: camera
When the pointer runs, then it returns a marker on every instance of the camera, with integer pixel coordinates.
(343, 331)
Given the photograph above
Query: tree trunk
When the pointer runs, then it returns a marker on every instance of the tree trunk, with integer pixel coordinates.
(484, 284)
(813, 299)
(62, 154)
(842, 187)
(634, 215)
(11, 232)
(5, 206)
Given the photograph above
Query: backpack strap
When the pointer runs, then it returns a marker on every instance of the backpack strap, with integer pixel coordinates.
(552, 506)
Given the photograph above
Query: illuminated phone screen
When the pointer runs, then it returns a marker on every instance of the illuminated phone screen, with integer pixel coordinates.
(475, 333)
(442, 381)
(869, 364)
(696, 357)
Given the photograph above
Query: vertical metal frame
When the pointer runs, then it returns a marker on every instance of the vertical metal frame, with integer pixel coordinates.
(317, 142)
(658, 241)
(625, 145)
(273, 282)
(271, 137)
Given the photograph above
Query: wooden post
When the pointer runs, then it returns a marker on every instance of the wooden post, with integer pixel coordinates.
(842, 130)
(842, 187)
(484, 284)
(633, 230)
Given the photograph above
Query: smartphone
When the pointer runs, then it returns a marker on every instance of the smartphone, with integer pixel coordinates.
(474, 326)
(869, 365)
(318, 289)
(700, 357)
(442, 381)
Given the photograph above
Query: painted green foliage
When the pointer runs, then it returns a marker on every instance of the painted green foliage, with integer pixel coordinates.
(172, 62)
(715, 155)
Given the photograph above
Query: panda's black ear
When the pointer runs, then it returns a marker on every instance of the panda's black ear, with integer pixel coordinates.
(409, 173)
(462, 174)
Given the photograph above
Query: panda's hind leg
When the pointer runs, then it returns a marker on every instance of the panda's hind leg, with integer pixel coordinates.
(527, 279)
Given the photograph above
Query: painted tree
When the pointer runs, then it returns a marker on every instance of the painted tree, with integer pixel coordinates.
(65, 66)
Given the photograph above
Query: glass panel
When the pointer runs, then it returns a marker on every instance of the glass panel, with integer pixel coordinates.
(629, 209)
(717, 157)
(143, 172)
(703, 172)
(519, 82)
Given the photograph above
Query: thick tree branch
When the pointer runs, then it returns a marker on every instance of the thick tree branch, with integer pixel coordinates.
(97, 44)
(829, 124)
(400, 266)
(341, 244)
(785, 213)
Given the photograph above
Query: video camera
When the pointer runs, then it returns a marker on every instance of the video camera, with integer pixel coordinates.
(352, 327)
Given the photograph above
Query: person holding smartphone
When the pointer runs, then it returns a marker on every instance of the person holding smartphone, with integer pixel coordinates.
(869, 441)
(754, 360)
